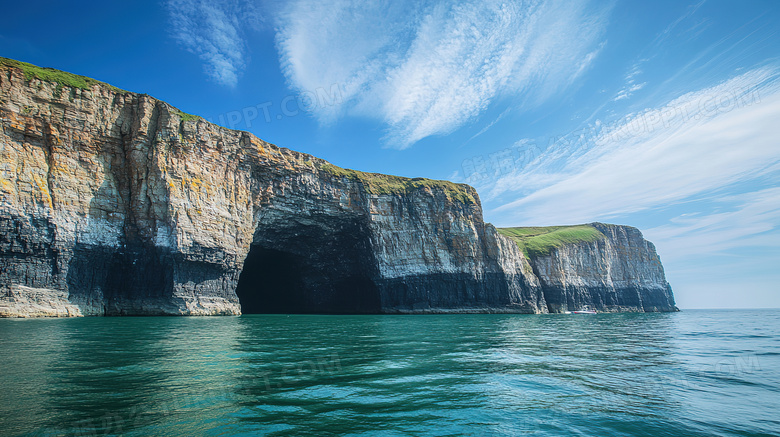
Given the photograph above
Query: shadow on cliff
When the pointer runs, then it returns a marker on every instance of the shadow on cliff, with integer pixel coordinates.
(116, 268)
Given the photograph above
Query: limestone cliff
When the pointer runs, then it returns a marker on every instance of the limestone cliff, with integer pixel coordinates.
(607, 267)
(116, 203)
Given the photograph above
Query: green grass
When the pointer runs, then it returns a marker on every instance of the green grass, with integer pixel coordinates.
(377, 183)
(65, 79)
(541, 241)
(61, 78)
(187, 117)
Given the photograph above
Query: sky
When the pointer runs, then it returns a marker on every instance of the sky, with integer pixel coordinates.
(663, 115)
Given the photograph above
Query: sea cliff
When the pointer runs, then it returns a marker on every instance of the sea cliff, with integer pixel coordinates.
(606, 267)
(116, 203)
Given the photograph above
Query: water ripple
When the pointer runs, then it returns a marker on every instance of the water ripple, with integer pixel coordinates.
(690, 373)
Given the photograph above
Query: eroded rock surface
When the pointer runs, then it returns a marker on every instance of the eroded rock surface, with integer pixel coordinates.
(619, 271)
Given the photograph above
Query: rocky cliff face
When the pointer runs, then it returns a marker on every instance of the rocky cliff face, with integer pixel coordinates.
(115, 203)
(606, 267)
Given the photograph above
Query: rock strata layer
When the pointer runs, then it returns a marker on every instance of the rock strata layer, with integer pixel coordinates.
(116, 203)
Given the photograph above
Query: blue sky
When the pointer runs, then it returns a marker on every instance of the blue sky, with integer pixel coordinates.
(661, 115)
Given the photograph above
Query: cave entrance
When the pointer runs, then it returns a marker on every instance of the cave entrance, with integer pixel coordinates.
(269, 282)
(309, 270)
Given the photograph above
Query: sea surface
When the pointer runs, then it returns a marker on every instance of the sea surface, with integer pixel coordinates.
(696, 373)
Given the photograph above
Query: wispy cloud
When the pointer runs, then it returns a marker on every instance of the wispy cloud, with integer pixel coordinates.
(427, 70)
(631, 86)
(214, 32)
(628, 91)
(726, 244)
(699, 142)
(750, 220)
(491, 124)
(341, 41)
(662, 38)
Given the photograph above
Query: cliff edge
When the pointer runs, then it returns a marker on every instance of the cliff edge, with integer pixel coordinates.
(116, 203)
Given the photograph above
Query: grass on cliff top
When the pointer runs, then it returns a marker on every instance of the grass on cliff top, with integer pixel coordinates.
(187, 117)
(377, 183)
(61, 78)
(541, 241)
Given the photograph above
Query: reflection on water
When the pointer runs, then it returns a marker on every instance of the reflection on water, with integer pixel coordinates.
(703, 373)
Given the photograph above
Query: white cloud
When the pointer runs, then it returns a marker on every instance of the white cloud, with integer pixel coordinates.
(339, 42)
(631, 86)
(427, 70)
(699, 142)
(213, 31)
(751, 222)
(491, 124)
(628, 91)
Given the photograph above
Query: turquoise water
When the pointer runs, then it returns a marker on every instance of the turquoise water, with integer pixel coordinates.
(688, 373)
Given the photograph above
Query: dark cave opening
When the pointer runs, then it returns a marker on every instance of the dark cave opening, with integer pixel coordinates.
(271, 282)
(330, 279)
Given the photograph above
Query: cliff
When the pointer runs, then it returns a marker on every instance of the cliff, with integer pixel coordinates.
(607, 267)
(116, 203)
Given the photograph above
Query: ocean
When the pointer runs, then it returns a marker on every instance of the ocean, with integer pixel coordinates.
(697, 373)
